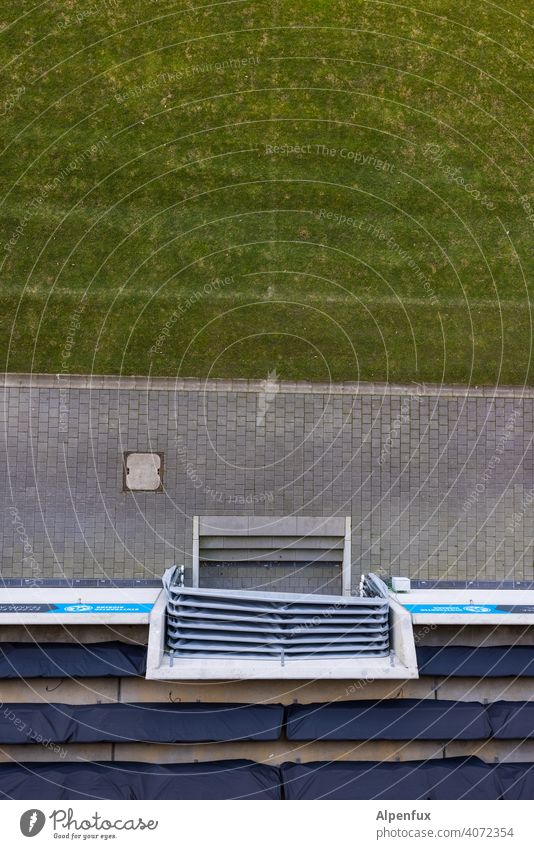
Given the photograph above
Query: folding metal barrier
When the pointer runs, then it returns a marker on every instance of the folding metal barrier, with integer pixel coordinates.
(228, 623)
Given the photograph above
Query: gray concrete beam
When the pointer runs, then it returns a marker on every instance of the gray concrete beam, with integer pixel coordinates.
(83, 691)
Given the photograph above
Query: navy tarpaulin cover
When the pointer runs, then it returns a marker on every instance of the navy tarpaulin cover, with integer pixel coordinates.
(389, 719)
(478, 662)
(517, 780)
(462, 778)
(451, 778)
(512, 720)
(237, 779)
(352, 780)
(36, 780)
(182, 722)
(71, 660)
(153, 722)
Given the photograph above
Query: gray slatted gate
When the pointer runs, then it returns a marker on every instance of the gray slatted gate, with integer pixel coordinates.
(228, 623)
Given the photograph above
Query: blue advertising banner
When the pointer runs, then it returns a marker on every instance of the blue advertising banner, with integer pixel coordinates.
(470, 608)
(90, 607)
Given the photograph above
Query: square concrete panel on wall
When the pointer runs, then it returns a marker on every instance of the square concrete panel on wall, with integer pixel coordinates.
(143, 471)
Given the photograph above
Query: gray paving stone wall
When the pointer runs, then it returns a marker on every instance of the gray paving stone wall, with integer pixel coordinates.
(438, 486)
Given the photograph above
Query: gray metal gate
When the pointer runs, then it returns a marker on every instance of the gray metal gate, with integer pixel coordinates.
(228, 623)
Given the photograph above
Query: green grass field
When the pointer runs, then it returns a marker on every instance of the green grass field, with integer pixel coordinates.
(332, 190)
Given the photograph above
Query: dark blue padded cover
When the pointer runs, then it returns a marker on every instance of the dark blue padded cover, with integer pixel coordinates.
(462, 778)
(35, 780)
(71, 660)
(237, 779)
(512, 720)
(389, 719)
(164, 722)
(154, 722)
(478, 662)
(517, 780)
(353, 780)
(451, 778)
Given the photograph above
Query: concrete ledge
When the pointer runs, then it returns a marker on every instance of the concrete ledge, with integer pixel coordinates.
(273, 753)
(276, 752)
(483, 689)
(275, 691)
(279, 751)
(402, 636)
(81, 691)
(492, 751)
(207, 669)
(73, 633)
(108, 690)
(191, 384)
(57, 752)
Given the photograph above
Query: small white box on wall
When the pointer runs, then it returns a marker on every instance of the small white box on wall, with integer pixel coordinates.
(401, 585)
